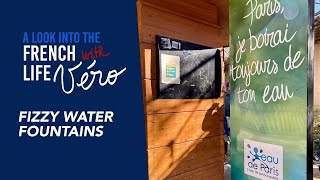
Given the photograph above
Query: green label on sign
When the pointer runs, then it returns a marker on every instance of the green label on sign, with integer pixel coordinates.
(171, 71)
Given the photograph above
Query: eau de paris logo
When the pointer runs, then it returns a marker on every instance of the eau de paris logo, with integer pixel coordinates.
(262, 160)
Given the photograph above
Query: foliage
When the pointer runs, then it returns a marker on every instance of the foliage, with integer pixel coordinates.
(316, 131)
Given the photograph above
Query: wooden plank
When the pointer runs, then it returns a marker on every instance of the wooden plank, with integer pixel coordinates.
(149, 130)
(182, 144)
(155, 106)
(172, 128)
(223, 17)
(148, 99)
(158, 22)
(199, 11)
(177, 159)
(210, 172)
(148, 59)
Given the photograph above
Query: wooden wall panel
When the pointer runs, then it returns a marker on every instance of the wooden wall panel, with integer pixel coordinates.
(172, 128)
(149, 131)
(184, 136)
(223, 17)
(169, 161)
(206, 12)
(210, 172)
(157, 22)
(148, 54)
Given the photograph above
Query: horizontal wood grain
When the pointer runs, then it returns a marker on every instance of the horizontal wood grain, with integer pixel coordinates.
(184, 136)
(157, 22)
(149, 125)
(211, 172)
(169, 161)
(206, 13)
(172, 128)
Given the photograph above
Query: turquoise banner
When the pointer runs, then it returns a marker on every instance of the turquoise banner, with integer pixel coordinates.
(268, 74)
